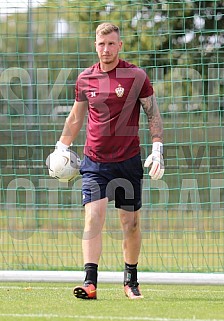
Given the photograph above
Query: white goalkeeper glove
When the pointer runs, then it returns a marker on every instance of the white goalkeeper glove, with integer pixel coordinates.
(60, 146)
(156, 159)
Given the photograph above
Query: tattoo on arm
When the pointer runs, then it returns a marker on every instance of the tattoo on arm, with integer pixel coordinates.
(150, 107)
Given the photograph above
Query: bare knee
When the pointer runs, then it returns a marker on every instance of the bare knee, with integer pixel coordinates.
(130, 223)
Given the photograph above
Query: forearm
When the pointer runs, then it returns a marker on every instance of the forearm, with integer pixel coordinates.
(73, 123)
(70, 131)
(151, 109)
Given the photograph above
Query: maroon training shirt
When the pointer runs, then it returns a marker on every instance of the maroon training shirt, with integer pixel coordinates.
(113, 112)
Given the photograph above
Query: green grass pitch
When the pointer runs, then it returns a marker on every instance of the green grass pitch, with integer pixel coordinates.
(55, 301)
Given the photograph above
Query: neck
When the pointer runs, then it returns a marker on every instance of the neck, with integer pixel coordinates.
(108, 67)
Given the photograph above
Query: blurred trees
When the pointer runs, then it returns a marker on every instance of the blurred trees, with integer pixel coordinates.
(157, 35)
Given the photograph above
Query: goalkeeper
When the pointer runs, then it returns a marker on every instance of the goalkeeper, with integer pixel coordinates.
(112, 91)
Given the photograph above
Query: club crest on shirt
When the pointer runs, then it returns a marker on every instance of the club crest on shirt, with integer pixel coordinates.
(119, 91)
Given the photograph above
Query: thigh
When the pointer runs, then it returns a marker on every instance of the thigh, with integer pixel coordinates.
(95, 211)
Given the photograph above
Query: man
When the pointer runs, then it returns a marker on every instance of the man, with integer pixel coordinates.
(112, 92)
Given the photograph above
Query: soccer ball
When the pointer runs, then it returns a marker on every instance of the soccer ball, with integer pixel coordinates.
(63, 165)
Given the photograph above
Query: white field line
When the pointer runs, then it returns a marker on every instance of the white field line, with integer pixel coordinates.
(98, 317)
(30, 287)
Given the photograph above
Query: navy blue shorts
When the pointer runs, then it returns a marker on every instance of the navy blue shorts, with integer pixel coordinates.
(121, 182)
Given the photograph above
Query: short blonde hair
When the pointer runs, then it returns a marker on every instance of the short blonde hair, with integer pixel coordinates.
(106, 28)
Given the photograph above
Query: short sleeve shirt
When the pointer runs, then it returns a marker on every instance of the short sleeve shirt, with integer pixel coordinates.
(113, 110)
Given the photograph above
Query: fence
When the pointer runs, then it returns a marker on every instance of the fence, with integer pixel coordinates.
(43, 49)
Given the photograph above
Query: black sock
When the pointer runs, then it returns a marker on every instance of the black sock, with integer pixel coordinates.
(91, 273)
(130, 273)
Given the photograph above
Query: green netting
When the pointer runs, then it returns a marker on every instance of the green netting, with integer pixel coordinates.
(43, 48)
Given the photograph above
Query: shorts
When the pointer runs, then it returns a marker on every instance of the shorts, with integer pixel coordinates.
(120, 182)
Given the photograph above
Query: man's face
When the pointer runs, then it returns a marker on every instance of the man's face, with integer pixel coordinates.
(108, 47)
